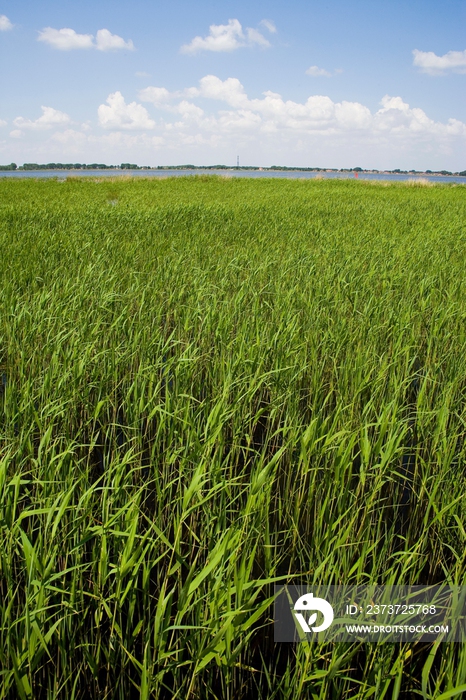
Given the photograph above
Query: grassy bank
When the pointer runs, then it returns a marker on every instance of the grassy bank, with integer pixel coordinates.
(209, 385)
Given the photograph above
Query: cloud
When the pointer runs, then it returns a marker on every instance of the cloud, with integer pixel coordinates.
(317, 72)
(229, 90)
(216, 118)
(105, 41)
(188, 110)
(269, 25)
(243, 120)
(226, 37)
(398, 118)
(50, 117)
(159, 96)
(142, 74)
(116, 114)
(5, 23)
(274, 113)
(70, 138)
(3, 122)
(162, 98)
(430, 63)
(319, 115)
(67, 39)
(255, 37)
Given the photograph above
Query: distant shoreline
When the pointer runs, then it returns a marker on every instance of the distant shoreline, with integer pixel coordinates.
(127, 167)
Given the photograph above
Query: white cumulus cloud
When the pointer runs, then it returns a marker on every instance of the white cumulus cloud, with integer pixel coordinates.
(105, 41)
(216, 118)
(429, 62)
(116, 114)
(226, 37)
(67, 39)
(317, 72)
(190, 114)
(271, 114)
(5, 23)
(2, 122)
(398, 118)
(159, 96)
(50, 118)
(229, 90)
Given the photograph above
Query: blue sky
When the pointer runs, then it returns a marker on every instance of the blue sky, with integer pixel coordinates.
(367, 83)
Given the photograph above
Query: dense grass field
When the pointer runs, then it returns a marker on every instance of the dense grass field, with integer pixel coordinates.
(211, 385)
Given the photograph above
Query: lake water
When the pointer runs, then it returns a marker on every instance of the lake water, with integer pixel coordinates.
(289, 175)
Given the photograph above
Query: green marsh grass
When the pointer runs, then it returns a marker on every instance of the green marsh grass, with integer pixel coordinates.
(210, 385)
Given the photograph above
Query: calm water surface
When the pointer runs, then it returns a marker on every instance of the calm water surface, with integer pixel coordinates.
(289, 175)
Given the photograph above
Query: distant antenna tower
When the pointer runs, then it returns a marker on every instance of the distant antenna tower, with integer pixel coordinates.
(237, 161)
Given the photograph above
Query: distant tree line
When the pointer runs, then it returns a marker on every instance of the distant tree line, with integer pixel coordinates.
(65, 166)
(76, 166)
(292, 168)
(421, 172)
(190, 166)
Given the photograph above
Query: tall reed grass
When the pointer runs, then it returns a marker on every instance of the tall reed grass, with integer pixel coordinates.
(209, 386)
